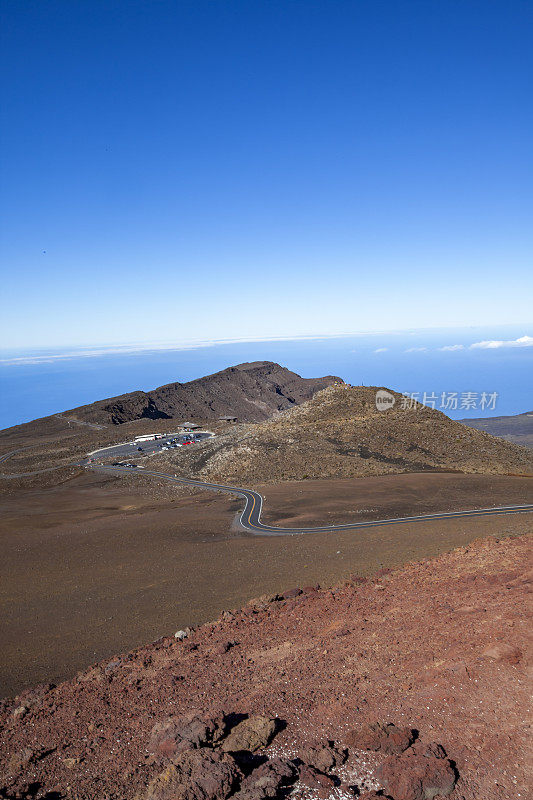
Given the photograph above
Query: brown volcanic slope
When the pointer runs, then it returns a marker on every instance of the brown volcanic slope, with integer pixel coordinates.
(251, 392)
(517, 428)
(340, 433)
(439, 646)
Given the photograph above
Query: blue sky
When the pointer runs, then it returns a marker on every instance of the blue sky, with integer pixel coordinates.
(305, 167)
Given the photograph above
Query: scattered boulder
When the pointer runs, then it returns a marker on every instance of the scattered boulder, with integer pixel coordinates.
(428, 749)
(112, 667)
(262, 602)
(417, 777)
(321, 784)
(268, 780)
(20, 711)
(93, 674)
(70, 763)
(225, 646)
(251, 734)
(290, 593)
(323, 757)
(174, 735)
(376, 736)
(501, 651)
(204, 774)
(21, 760)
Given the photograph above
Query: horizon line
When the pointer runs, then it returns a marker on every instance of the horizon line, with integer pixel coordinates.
(51, 353)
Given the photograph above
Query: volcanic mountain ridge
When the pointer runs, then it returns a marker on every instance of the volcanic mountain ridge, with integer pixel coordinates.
(517, 428)
(340, 433)
(251, 392)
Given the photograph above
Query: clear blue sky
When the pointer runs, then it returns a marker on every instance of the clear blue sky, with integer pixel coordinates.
(308, 167)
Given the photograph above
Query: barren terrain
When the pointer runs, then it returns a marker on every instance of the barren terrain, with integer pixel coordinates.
(440, 647)
(95, 564)
(98, 563)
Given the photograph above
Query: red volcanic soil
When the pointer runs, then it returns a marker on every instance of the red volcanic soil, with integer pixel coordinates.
(439, 647)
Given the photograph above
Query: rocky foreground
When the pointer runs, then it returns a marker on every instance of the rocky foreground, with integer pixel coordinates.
(410, 685)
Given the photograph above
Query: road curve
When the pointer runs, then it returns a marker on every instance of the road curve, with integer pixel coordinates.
(11, 475)
(250, 517)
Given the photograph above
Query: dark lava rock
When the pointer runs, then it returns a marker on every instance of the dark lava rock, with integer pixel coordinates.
(173, 735)
(428, 750)
(251, 734)
(290, 593)
(204, 774)
(268, 780)
(225, 646)
(377, 736)
(416, 777)
(261, 603)
(323, 756)
(321, 784)
(21, 760)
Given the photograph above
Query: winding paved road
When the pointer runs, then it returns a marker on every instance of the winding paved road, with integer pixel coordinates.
(250, 518)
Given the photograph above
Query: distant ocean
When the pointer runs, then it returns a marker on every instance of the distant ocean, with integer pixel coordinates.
(474, 363)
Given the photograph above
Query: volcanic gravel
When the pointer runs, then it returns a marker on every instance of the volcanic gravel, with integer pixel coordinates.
(439, 646)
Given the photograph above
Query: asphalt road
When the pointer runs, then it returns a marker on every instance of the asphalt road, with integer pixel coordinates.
(11, 475)
(250, 518)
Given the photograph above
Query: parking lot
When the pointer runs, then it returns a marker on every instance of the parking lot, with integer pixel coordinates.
(125, 452)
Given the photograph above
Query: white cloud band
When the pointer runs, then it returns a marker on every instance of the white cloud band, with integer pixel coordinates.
(494, 344)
